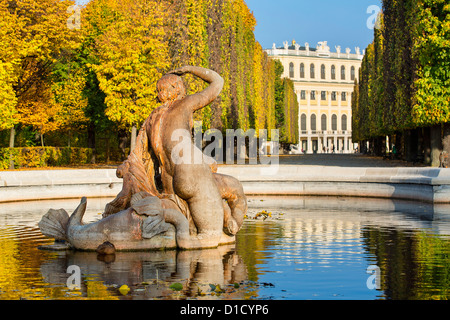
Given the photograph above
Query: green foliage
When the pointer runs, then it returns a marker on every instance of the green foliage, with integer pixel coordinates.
(432, 52)
(405, 74)
(176, 286)
(285, 106)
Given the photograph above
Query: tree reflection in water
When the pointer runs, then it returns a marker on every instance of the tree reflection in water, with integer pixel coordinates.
(414, 265)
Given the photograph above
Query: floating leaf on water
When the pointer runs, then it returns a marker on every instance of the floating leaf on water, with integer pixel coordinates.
(124, 290)
(218, 289)
(200, 292)
(212, 286)
(176, 286)
(236, 285)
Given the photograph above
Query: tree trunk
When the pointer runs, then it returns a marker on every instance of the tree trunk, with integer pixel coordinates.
(133, 137)
(407, 145)
(446, 138)
(435, 145)
(411, 140)
(12, 136)
(107, 150)
(426, 133)
(91, 141)
(399, 145)
(42, 140)
(378, 146)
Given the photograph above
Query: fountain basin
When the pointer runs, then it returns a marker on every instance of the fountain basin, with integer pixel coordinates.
(430, 185)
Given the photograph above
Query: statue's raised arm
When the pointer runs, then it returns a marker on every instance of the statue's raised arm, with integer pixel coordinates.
(201, 99)
(172, 196)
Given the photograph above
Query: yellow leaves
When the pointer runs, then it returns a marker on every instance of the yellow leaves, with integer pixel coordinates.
(32, 35)
(124, 290)
(8, 99)
(258, 88)
(69, 101)
(242, 10)
(132, 57)
(37, 109)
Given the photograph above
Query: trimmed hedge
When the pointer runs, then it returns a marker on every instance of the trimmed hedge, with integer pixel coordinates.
(37, 157)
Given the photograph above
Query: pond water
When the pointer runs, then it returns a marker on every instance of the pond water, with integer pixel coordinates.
(310, 248)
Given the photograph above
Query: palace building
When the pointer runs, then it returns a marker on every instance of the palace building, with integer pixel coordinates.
(323, 82)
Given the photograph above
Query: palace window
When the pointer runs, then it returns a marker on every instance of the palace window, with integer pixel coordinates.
(352, 73)
(333, 96)
(313, 71)
(342, 73)
(344, 122)
(322, 72)
(323, 95)
(313, 95)
(303, 95)
(344, 96)
(334, 122)
(302, 71)
(324, 122)
(333, 72)
(303, 122)
(313, 122)
(291, 70)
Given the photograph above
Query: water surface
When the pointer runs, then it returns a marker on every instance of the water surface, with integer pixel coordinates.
(310, 248)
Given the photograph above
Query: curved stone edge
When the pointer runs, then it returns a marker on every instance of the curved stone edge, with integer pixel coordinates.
(422, 184)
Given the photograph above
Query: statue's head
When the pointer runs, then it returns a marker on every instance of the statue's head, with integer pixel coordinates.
(170, 87)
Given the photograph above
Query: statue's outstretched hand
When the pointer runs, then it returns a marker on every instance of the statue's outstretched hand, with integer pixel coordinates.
(180, 71)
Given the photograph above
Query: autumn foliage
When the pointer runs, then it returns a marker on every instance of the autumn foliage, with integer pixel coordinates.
(404, 88)
(83, 76)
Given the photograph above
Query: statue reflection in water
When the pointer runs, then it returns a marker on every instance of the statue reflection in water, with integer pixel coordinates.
(149, 275)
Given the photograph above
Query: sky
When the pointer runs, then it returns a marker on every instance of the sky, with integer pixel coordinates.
(340, 22)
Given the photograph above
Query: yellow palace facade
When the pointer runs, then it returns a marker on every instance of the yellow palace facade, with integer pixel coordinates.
(323, 82)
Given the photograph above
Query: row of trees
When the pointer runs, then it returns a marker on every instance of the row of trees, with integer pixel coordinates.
(88, 77)
(404, 86)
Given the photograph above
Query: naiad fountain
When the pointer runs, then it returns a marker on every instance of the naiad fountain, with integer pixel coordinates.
(168, 200)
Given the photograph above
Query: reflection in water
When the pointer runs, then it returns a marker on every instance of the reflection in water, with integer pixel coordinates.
(149, 274)
(320, 248)
(414, 264)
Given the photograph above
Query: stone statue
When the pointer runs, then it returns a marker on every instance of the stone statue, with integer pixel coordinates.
(172, 195)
